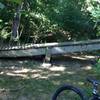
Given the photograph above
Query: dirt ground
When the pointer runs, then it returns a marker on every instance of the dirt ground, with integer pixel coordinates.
(27, 79)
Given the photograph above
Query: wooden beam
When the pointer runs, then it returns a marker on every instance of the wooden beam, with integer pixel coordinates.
(53, 48)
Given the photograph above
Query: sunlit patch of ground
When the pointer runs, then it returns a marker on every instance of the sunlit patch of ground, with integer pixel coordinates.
(38, 82)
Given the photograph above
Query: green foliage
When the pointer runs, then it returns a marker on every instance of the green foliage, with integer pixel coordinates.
(97, 67)
(95, 14)
(95, 10)
(16, 1)
(4, 34)
(1, 5)
(54, 20)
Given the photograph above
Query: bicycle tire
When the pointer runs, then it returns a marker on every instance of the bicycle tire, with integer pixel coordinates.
(71, 88)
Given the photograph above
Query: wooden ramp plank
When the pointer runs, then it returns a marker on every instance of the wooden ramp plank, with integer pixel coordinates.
(53, 48)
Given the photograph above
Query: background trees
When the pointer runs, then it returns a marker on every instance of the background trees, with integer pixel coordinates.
(51, 20)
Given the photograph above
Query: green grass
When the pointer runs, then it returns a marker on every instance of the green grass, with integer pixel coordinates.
(40, 83)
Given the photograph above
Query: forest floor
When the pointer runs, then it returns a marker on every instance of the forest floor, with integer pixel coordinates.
(27, 79)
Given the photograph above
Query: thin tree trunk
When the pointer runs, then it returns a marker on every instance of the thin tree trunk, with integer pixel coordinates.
(16, 23)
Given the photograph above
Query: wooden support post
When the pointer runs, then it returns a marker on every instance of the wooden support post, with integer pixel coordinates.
(47, 58)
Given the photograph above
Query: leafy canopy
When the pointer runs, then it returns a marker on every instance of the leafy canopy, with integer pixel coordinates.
(65, 20)
(16, 1)
(1, 5)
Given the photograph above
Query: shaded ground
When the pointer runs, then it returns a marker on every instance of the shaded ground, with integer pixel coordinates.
(29, 80)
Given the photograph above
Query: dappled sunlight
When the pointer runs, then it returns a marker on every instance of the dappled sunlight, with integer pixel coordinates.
(44, 78)
(28, 69)
(21, 72)
(21, 62)
(57, 82)
(32, 73)
(69, 81)
(24, 70)
(55, 68)
(37, 76)
(42, 72)
(39, 73)
(70, 72)
(24, 73)
(21, 75)
(87, 68)
(54, 75)
(90, 57)
(86, 57)
(81, 83)
(45, 44)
